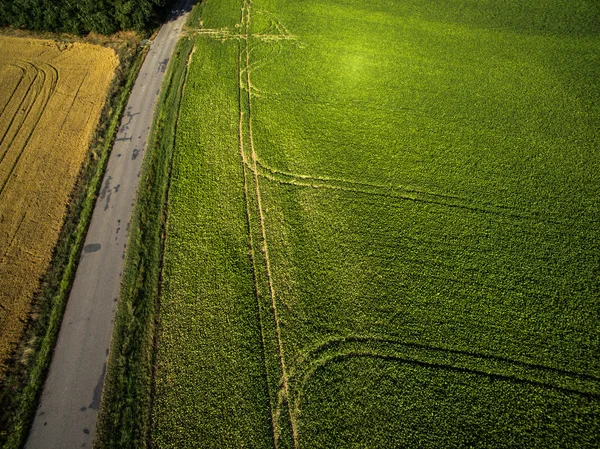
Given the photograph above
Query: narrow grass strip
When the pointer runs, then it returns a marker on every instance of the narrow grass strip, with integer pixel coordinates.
(124, 417)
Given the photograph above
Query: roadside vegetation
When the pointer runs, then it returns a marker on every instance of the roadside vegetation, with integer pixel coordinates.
(382, 228)
(25, 371)
(124, 417)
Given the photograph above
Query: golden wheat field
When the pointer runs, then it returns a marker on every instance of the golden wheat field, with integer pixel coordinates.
(51, 97)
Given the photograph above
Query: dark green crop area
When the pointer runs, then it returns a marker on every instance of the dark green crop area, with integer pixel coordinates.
(384, 227)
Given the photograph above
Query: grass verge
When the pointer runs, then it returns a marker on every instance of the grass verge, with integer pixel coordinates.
(124, 416)
(21, 387)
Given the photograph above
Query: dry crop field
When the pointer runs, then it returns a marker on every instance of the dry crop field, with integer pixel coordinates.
(383, 227)
(51, 97)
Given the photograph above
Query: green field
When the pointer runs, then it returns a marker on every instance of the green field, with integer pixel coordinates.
(383, 227)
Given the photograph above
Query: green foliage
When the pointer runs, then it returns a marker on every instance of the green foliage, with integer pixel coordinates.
(209, 347)
(408, 191)
(83, 16)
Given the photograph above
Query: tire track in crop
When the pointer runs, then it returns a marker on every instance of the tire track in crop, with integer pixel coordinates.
(275, 34)
(224, 34)
(29, 70)
(334, 343)
(257, 168)
(251, 242)
(342, 181)
(11, 240)
(23, 112)
(75, 98)
(21, 78)
(48, 88)
(395, 192)
(9, 244)
(257, 290)
(432, 357)
(43, 95)
(438, 366)
(245, 69)
(273, 53)
(276, 25)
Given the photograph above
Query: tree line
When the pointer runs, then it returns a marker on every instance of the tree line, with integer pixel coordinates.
(83, 16)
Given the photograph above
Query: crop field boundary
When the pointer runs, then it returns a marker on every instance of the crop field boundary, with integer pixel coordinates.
(288, 379)
(292, 383)
(432, 357)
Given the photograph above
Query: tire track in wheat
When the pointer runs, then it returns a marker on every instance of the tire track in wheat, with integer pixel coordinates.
(75, 98)
(26, 97)
(52, 73)
(12, 239)
(12, 94)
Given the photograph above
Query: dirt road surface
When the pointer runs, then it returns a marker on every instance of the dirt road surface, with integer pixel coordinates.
(67, 412)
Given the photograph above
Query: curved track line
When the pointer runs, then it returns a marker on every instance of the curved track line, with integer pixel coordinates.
(32, 97)
(439, 366)
(340, 341)
(36, 74)
(302, 379)
(394, 189)
(359, 183)
(16, 87)
(395, 193)
(48, 92)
